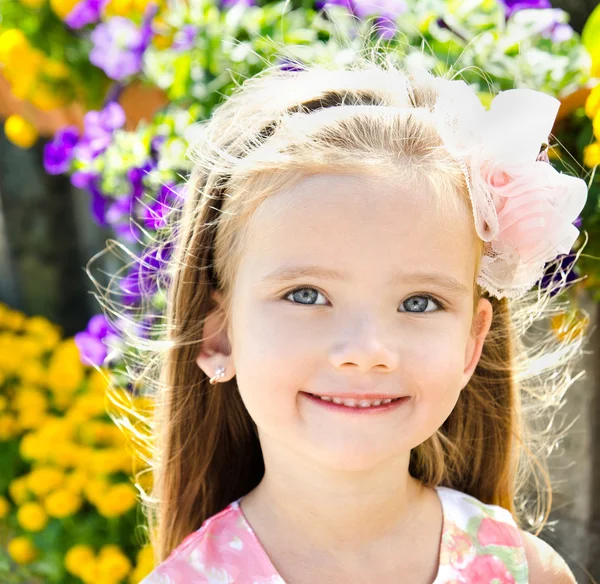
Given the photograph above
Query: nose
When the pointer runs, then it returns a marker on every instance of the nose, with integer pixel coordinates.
(364, 344)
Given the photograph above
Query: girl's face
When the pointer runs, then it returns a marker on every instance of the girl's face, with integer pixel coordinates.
(385, 306)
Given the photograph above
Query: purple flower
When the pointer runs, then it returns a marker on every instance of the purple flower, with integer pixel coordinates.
(560, 33)
(286, 64)
(156, 144)
(119, 44)
(550, 25)
(512, 6)
(130, 286)
(155, 214)
(559, 274)
(320, 4)
(59, 153)
(83, 179)
(232, 3)
(94, 342)
(119, 216)
(98, 129)
(185, 38)
(389, 9)
(85, 12)
(136, 177)
(98, 203)
(151, 268)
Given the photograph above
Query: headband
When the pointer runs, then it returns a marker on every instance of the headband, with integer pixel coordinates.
(522, 206)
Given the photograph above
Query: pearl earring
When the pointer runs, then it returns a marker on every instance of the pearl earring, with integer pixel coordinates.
(219, 373)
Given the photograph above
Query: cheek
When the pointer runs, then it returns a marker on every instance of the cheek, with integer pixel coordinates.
(436, 369)
(272, 363)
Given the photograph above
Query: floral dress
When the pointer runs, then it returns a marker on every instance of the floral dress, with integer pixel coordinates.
(480, 544)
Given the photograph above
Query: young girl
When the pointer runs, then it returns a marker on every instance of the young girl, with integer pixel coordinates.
(342, 398)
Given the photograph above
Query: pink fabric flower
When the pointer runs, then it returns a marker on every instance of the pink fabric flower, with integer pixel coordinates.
(522, 206)
(535, 209)
(493, 532)
(487, 569)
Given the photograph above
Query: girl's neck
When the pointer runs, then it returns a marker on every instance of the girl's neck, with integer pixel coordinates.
(335, 510)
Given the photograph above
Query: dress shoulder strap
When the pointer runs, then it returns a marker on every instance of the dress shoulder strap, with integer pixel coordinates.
(480, 542)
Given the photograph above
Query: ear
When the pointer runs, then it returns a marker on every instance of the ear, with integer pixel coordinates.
(482, 322)
(215, 349)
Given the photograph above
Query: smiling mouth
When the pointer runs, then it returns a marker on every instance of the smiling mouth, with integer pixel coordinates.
(357, 402)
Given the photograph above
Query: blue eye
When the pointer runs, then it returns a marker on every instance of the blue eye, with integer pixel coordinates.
(417, 304)
(304, 295)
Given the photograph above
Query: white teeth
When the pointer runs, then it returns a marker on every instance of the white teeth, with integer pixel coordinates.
(353, 403)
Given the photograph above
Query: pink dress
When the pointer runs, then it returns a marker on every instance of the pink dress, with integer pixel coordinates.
(480, 544)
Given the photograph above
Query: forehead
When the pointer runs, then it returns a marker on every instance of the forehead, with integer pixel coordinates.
(361, 224)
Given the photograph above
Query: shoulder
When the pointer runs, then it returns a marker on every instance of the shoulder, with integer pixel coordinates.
(200, 553)
(546, 566)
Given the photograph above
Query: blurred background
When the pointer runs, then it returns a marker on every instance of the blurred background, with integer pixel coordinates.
(95, 96)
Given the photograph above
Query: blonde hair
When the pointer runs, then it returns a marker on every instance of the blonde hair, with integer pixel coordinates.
(277, 128)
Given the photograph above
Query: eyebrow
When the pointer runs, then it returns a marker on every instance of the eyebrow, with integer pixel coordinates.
(287, 272)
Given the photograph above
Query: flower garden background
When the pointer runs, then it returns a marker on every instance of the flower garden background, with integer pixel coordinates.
(109, 87)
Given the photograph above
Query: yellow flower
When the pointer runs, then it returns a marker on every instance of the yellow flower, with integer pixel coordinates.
(89, 572)
(77, 557)
(18, 490)
(144, 564)
(33, 446)
(32, 517)
(90, 405)
(23, 72)
(13, 44)
(56, 69)
(109, 460)
(30, 398)
(117, 500)
(62, 503)
(95, 432)
(32, 372)
(596, 126)
(95, 489)
(68, 455)
(65, 371)
(22, 550)
(4, 507)
(592, 103)
(567, 326)
(99, 381)
(3, 403)
(20, 132)
(44, 479)
(43, 330)
(77, 480)
(113, 563)
(9, 427)
(120, 8)
(62, 7)
(32, 419)
(48, 99)
(13, 319)
(591, 155)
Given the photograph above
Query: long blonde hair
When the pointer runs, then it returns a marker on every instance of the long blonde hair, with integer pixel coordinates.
(278, 127)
